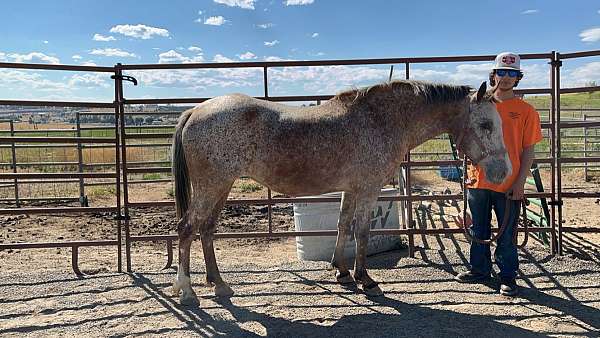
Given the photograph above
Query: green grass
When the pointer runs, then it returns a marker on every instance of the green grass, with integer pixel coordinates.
(567, 101)
(150, 177)
(249, 187)
(101, 191)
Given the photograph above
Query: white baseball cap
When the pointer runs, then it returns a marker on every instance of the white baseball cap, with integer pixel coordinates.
(508, 60)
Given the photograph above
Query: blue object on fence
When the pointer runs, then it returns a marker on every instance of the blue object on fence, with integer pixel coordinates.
(451, 173)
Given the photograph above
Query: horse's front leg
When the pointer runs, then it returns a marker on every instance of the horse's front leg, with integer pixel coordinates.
(338, 261)
(361, 234)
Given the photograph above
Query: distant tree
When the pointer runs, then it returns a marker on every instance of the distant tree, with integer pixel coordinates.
(590, 84)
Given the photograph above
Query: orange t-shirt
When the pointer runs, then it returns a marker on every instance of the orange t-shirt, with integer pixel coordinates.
(521, 129)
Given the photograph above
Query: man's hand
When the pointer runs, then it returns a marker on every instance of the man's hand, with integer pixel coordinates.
(516, 192)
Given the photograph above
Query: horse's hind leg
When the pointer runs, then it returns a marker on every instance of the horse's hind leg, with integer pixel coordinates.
(200, 211)
(339, 261)
(186, 231)
(364, 205)
(207, 230)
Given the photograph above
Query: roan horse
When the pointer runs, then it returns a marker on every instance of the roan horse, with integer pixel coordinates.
(353, 143)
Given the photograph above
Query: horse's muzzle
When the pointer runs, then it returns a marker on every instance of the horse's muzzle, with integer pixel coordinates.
(495, 169)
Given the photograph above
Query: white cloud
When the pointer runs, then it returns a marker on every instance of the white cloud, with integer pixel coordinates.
(581, 75)
(590, 35)
(35, 57)
(314, 35)
(271, 43)
(194, 49)
(327, 79)
(273, 58)
(170, 56)
(247, 56)
(201, 78)
(173, 57)
(246, 4)
(89, 80)
(28, 80)
(215, 21)
(139, 31)
(265, 25)
(76, 57)
(221, 58)
(89, 63)
(100, 37)
(298, 2)
(530, 11)
(46, 42)
(112, 52)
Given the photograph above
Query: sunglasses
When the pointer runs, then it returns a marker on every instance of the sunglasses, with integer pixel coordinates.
(504, 72)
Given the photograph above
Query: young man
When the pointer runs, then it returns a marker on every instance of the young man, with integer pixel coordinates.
(521, 128)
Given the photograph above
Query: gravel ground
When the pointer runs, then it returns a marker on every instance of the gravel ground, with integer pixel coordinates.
(277, 295)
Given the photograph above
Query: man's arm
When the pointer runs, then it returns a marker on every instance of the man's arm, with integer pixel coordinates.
(516, 192)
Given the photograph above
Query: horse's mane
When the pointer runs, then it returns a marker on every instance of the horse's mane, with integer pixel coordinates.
(431, 93)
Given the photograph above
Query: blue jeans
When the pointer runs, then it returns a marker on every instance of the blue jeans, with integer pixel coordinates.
(481, 203)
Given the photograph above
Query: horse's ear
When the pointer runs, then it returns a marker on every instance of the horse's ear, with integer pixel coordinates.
(481, 91)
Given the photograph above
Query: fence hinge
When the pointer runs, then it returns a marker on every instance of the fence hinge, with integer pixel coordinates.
(125, 77)
(558, 203)
(122, 217)
(556, 63)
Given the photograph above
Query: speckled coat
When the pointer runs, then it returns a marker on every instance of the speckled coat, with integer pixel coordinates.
(353, 143)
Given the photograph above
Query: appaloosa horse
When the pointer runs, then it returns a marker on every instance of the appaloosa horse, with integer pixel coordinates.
(353, 143)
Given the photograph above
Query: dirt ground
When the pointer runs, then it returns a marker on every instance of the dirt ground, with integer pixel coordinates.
(278, 295)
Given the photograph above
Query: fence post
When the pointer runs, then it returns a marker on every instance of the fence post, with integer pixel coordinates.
(120, 107)
(269, 196)
(82, 199)
(585, 165)
(407, 191)
(553, 94)
(559, 200)
(14, 163)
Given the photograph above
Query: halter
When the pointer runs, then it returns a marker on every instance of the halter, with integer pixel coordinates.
(484, 153)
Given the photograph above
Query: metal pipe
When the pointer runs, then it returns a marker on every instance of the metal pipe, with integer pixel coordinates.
(14, 164)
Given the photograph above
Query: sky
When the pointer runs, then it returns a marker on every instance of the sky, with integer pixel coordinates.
(106, 32)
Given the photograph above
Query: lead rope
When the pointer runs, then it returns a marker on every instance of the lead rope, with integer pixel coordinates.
(504, 225)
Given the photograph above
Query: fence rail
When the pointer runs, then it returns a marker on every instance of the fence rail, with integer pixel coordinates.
(123, 137)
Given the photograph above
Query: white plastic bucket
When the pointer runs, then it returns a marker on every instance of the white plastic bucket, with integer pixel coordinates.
(324, 216)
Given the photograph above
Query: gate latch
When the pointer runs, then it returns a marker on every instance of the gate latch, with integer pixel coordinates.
(125, 78)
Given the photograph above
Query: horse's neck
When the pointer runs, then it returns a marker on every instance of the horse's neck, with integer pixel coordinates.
(426, 123)
(417, 123)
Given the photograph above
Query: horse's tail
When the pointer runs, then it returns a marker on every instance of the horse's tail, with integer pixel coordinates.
(180, 170)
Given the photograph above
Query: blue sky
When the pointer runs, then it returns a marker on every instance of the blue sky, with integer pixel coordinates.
(176, 31)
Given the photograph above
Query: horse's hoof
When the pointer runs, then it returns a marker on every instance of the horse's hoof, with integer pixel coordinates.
(372, 290)
(173, 290)
(223, 290)
(189, 299)
(344, 278)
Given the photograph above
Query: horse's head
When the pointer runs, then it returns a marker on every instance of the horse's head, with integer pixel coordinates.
(478, 134)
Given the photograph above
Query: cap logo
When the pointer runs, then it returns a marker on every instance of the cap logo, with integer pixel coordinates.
(508, 59)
